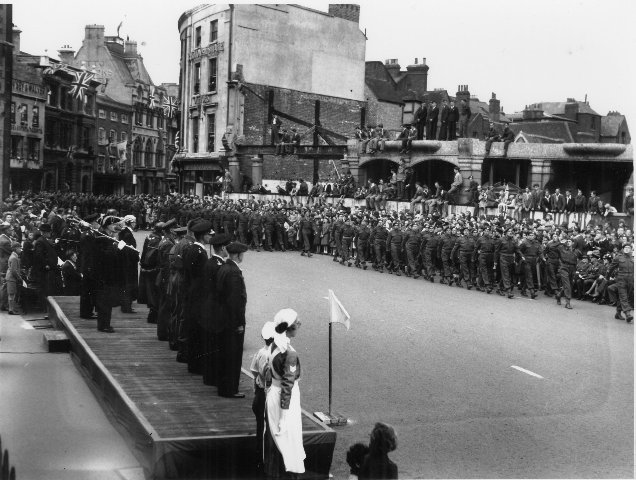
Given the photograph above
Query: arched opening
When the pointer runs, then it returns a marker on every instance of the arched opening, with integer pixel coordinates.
(506, 170)
(431, 171)
(379, 169)
(149, 154)
(148, 185)
(137, 152)
(159, 155)
(49, 181)
(68, 177)
(85, 183)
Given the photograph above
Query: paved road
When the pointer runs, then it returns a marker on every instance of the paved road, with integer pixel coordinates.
(436, 362)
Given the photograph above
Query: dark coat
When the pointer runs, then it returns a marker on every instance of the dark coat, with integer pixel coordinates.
(377, 467)
(72, 279)
(45, 272)
(130, 266)
(210, 317)
(231, 288)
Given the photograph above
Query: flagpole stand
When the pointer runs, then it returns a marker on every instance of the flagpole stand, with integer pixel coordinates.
(333, 420)
(330, 418)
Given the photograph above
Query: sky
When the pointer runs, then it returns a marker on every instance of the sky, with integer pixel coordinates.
(524, 51)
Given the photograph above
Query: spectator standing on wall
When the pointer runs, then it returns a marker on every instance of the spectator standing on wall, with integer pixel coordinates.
(453, 117)
(276, 125)
(420, 120)
(443, 114)
(464, 117)
(431, 122)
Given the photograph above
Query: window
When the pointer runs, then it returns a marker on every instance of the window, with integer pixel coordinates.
(197, 78)
(212, 78)
(51, 128)
(100, 164)
(34, 149)
(12, 113)
(16, 147)
(64, 99)
(160, 121)
(112, 136)
(149, 154)
(24, 114)
(101, 135)
(211, 132)
(195, 134)
(124, 118)
(137, 153)
(102, 113)
(138, 116)
(214, 30)
(35, 120)
(197, 37)
(159, 156)
(53, 96)
(66, 133)
(85, 141)
(623, 137)
(149, 118)
(592, 122)
(113, 116)
(123, 137)
(87, 106)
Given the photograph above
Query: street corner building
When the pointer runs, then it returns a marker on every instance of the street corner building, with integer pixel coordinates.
(251, 72)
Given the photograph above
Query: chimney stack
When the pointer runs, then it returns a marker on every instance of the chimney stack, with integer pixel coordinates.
(346, 11)
(130, 48)
(16, 40)
(67, 54)
(393, 67)
(462, 94)
(494, 109)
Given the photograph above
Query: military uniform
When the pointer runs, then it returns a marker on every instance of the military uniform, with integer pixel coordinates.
(507, 251)
(623, 266)
(255, 225)
(568, 259)
(166, 301)
(379, 235)
(485, 253)
(412, 243)
(530, 251)
(347, 234)
(362, 246)
(194, 260)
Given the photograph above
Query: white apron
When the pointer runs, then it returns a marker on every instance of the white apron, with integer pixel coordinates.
(290, 443)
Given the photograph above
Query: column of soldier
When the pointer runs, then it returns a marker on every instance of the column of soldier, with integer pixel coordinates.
(493, 255)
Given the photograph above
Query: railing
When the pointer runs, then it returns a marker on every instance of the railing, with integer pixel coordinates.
(7, 472)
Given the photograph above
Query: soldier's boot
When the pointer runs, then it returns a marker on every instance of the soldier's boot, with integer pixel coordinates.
(499, 292)
(567, 304)
(489, 289)
(397, 272)
(469, 286)
(524, 293)
(510, 294)
(302, 254)
(335, 259)
(629, 316)
(618, 315)
(533, 294)
(309, 254)
(441, 280)
(348, 263)
(342, 262)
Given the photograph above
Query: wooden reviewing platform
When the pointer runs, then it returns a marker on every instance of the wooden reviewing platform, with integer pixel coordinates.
(176, 426)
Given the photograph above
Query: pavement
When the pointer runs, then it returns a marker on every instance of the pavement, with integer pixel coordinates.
(50, 422)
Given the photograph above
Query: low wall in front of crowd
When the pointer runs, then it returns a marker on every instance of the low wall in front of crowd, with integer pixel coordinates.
(395, 206)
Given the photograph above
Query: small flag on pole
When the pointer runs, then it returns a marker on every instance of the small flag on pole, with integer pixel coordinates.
(338, 313)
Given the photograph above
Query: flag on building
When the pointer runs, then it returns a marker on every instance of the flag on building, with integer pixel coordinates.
(71, 152)
(176, 141)
(151, 97)
(80, 83)
(170, 106)
(337, 312)
(122, 152)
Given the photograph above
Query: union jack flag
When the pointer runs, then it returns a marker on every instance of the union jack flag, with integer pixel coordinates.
(151, 97)
(170, 105)
(80, 83)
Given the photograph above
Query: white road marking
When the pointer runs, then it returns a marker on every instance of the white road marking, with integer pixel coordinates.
(526, 371)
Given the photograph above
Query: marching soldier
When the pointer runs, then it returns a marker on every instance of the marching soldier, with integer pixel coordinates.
(506, 253)
(568, 258)
(530, 250)
(485, 252)
(362, 245)
(255, 225)
(623, 267)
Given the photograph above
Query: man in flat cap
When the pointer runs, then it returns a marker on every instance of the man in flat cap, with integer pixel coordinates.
(231, 288)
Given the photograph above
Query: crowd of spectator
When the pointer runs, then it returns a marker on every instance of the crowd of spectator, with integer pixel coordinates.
(403, 243)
